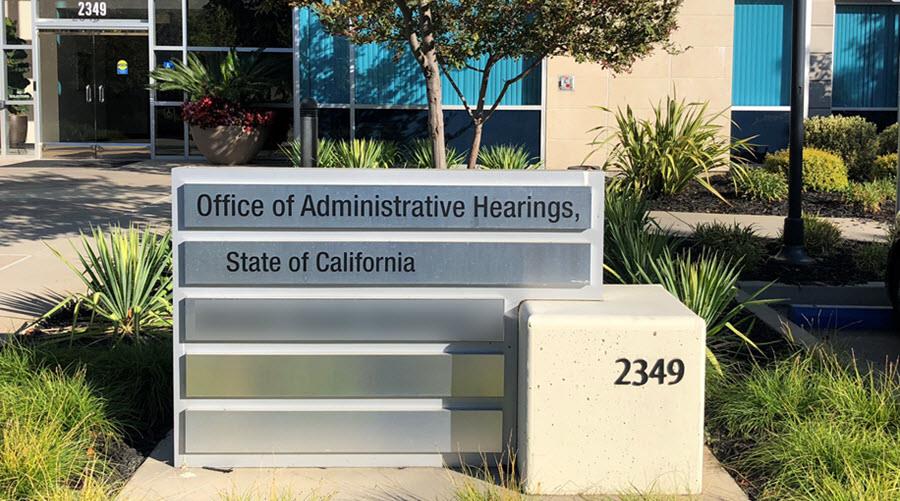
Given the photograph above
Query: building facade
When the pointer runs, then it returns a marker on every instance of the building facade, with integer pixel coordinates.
(76, 76)
(852, 67)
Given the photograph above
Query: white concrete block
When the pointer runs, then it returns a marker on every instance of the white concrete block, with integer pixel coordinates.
(581, 432)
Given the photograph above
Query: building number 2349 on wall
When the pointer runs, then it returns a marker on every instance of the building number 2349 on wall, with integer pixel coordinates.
(92, 9)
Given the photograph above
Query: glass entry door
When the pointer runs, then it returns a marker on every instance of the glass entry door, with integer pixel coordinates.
(94, 93)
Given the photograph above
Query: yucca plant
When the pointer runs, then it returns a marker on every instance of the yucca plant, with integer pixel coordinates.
(636, 251)
(419, 155)
(707, 285)
(325, 152)
(360, 154)
(678, 146)
(127, 273)
(631, 238)
(236, 78)
(507, 157)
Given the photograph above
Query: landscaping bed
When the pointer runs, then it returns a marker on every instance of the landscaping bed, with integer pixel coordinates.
(696, 198)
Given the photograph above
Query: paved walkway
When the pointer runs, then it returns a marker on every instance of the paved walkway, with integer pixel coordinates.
(156, 479)
(42, 208)
(863, 230)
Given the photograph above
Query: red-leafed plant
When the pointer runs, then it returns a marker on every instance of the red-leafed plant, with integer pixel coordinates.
(209, 112)
(220, 94)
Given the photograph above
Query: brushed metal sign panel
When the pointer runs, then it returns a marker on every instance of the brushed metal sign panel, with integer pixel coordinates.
(253, 320)
(342, 376)
(410, 264)
(409, 207)
(342, 432)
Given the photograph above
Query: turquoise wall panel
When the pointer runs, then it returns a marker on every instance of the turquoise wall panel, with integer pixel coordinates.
(324, 62)
(762, 42)
(383, 79)
(865, 56)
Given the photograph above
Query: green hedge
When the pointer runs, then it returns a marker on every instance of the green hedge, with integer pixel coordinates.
(822, 171)
(885, 167)
(887, 140)
(851, 138)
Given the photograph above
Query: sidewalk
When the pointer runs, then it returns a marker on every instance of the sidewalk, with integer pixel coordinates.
(47, 207)
(863, 230)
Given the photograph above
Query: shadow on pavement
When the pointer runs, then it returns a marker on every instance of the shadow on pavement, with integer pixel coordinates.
(45, 204)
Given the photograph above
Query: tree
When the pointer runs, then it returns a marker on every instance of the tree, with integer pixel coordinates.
(613, 33)
(443, 35)
(405, 26)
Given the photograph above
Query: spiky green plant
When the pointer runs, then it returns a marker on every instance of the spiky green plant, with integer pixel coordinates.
(360, 154)
(631, 238)
(419, 155)
(637, 252)
(507, 157)
(127, 273)
(236, 78)
(662, 155)
(325, 152)
(708, 286)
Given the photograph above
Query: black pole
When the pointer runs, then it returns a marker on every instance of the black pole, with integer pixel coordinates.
(309, 133)
(792, 250)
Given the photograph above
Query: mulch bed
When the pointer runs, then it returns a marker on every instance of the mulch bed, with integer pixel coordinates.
(698, 199)
(837, 269)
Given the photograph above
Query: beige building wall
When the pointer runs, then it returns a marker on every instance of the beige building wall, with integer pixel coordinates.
(702, 71)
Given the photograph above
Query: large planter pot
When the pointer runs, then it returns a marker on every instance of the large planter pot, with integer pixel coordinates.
(229, 144)
(18, 130)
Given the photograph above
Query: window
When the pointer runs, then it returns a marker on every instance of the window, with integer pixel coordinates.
(865, 56)
(762, 44)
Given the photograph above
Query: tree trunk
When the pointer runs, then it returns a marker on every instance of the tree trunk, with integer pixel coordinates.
(435, 112)
(477, 127)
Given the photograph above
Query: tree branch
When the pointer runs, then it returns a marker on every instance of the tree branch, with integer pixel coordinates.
(509, 82)
(462, 96)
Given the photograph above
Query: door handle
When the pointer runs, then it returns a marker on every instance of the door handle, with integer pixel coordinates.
(101, 94)
(88, 97)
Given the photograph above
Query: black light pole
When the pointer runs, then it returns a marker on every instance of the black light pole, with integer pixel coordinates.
(309, 133)
(792, 250)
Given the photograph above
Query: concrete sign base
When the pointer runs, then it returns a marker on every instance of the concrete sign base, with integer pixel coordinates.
(611, 394)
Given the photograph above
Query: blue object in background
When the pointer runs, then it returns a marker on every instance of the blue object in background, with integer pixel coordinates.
(762, 57)
(865, 56)
(842, 317)
(169, 64)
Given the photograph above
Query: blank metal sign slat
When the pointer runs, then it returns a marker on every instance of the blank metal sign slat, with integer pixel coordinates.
(337, 320)
(354, 432)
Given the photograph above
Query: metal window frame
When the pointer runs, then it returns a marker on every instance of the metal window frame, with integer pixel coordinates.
(39, 25)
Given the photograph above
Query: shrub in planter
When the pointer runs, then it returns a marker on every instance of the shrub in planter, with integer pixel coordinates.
(885, 167)
(851, 138)
(821, 237)
(887, 140)
(872, 258)
(760, 184)
(733, 242)
(420, 155)
(507, 157)
(664, 154)
(226, 129)
(822, 171)
(869, 196)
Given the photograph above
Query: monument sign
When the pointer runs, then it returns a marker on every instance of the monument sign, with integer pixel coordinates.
(338, 317)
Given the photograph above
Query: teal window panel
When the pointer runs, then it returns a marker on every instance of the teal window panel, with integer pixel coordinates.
(324, 62)
(383, 79)
(762, 58)
(866, 38)
(526, 91)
